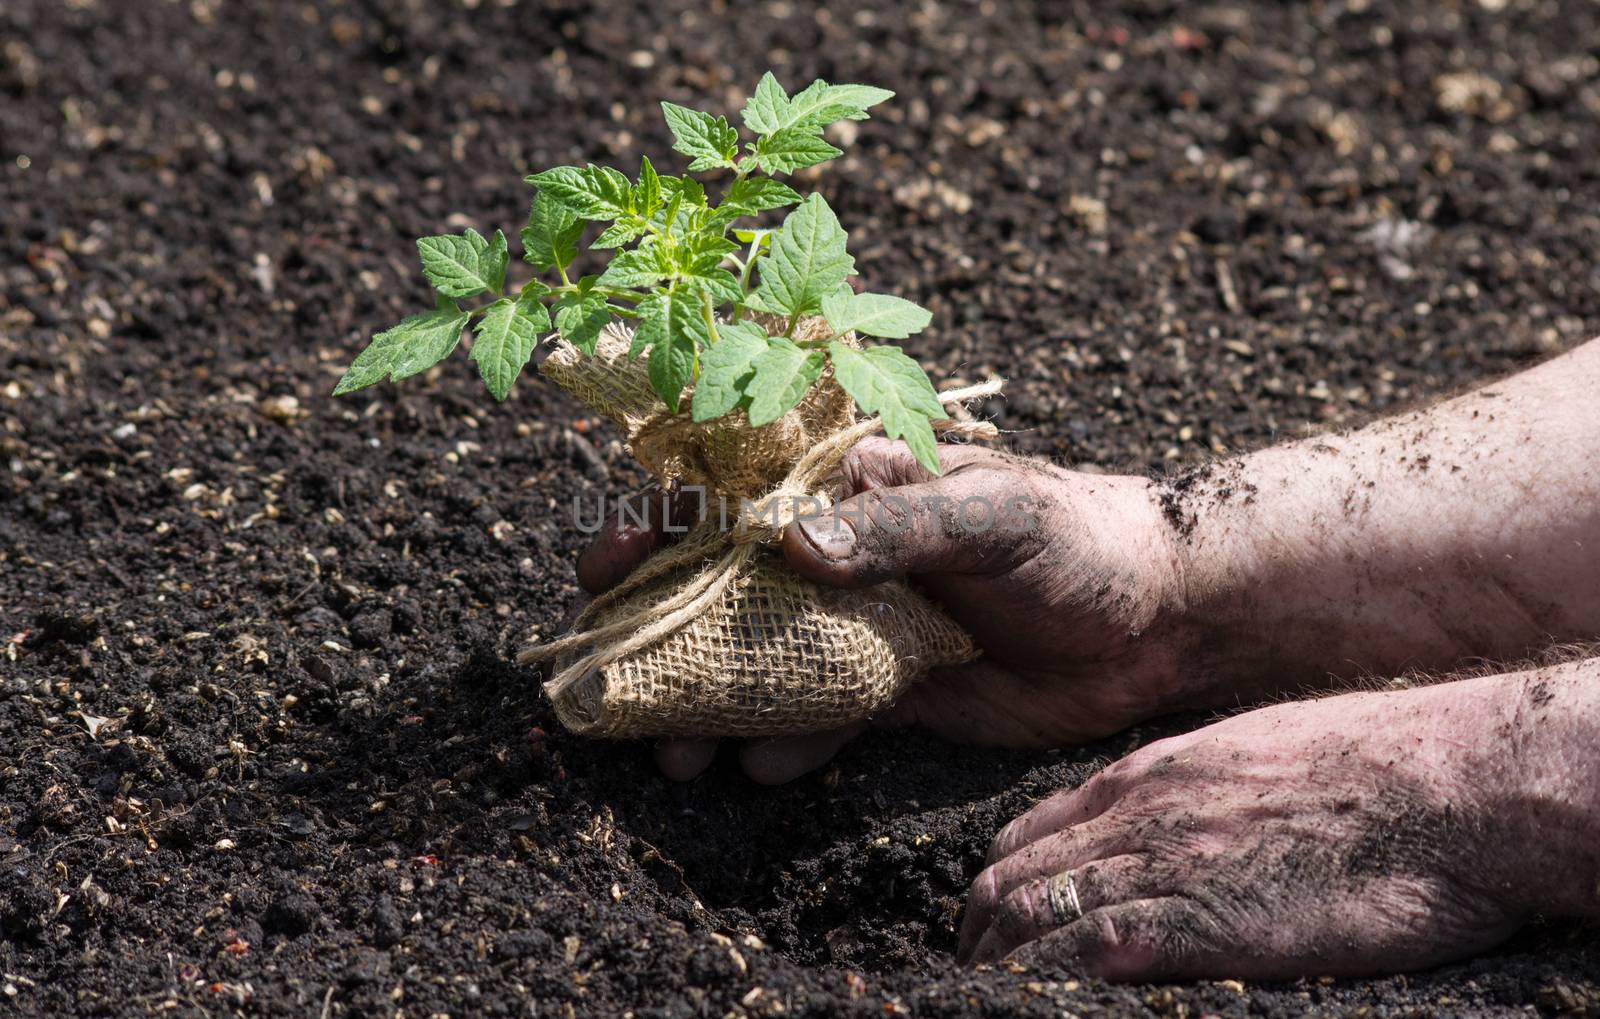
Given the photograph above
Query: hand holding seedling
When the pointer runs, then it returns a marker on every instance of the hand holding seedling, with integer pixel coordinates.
(1355, 834)
(743, 367)
(1094, 558)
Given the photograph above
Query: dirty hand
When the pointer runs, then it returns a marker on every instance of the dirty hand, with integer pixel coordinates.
(1358, 834)
(1068, 581)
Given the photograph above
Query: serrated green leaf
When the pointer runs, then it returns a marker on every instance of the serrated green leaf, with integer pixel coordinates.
(670, 216)
(591, 192)
(751, 195)
(533, 290)
(793, 148)
(763, 112)
(725, 368)
(770, 109)
(463, 265)
(503, 340)
(647, 193)
(618, 234)
(783, 375)
(675, 350)
(550, 240)
(722, 285)
(580, 317)
(885, 382)
(640, 267)
(413, 346)
(807, 260)
(710, 141)
(873, 314)
(651, 325)
(820, 104)
(760, 193)
(699, 254)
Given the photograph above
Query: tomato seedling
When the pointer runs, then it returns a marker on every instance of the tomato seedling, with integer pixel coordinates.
(688, 274)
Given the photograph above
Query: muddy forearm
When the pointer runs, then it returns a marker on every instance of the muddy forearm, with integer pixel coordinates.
(1549, 777)
(1465, 531)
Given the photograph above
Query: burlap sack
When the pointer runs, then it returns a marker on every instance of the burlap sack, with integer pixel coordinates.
(716, 636)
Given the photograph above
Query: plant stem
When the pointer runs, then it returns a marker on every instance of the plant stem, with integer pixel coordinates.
(744, 276)
(710, 314)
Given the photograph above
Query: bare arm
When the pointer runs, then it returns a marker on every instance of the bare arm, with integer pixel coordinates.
(1469, 530)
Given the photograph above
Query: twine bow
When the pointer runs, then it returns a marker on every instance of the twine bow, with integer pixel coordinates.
(761, 521)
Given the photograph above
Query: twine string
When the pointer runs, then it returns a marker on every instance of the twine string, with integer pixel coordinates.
(760, 522)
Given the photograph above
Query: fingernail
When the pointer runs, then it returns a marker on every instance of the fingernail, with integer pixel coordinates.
(830, 534)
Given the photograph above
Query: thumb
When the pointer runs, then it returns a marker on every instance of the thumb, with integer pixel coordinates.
(953, 524)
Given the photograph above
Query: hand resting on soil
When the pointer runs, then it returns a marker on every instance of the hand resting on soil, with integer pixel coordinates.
(1365, 833)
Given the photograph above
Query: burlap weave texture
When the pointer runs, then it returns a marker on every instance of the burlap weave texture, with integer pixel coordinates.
(772, 653)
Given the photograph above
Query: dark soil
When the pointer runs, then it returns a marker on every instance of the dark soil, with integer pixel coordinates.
(261, 749)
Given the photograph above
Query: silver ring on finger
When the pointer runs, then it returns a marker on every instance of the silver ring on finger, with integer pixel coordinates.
(1061, 891)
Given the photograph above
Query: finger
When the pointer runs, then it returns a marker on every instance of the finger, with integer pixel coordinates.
(968, 523)
(1167, 938)
(991, 705)
(1097, 839)
(1032, 910)
(1056, 813)
(682, 760)
(786, 758)
(635, 528)
(879, 462)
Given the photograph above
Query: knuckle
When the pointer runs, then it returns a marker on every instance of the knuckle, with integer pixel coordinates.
(1105, 785)
(1022, 909)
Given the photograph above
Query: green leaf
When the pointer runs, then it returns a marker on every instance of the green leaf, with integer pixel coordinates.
(808, 259)
(462, 265)
(674, 350)
(725, 368)
(748, 196)
(651, 325)
(783, 375)
(885, 382)
(763, 112)
(793, 148)
(699, 254)
(873, 314)
(710, 141)
(591, 192)
(504, 338)
(413, 346)
(618, 234)
(757, 194)
(722, 285)
(820, 104)
(647, 193)
(640, 267)
(580, 317)
(771, 110)
(550, 240)
(684, 199)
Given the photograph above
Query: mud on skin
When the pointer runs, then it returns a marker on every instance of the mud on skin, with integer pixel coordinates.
(314, 806)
